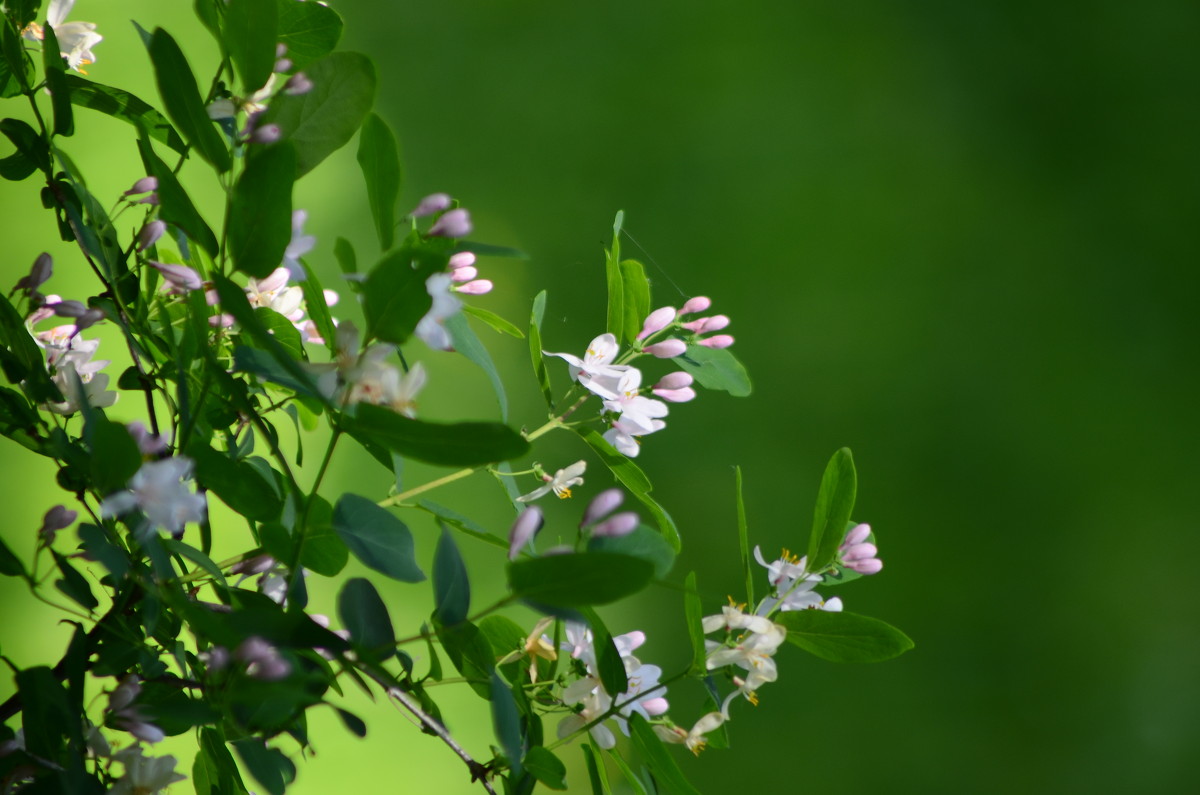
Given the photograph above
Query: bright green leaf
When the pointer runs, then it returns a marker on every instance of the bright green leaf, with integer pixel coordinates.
(715, 368)
(636, 303)
(379, 159)
(835, 502)
(546, 767)
(122, 105)
(744, 540)
(464, 340)
(181, 97)
(535, 347)
(844, 637)
(309, 30)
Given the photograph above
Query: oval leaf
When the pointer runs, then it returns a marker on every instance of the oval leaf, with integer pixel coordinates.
(716, 368)
(579, 579)
(461, 444)
(181, 97)
(365, 615)
(260, 222)
(835, 502)
(379, 160)
(377, 538)
(844, 637)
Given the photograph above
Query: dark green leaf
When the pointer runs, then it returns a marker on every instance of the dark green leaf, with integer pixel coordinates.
(377, 538)
(661, 763)
(595, 768)
(636, 303)
(644, 543)
(181, 98)
(47, 712)
(122, 105)
(461, 444)
(463, 524)
(115, 455)
(395, 297)
(10, 564)
(310, 30)
(546, 767)
(505, 635)
(579, 579)
(466, 343)
(237, 483)
(269, 766)
(364, 614)
(260, 221)
(715, 368)
(33, 149)
(281, 330)
(634, 479)
(616, 286)
(100, 547)
(506, 722)
(471, 654)
(634, 782)
(843, 637)
(267, 368)
(172, 710)
(835, 502)
(25, 362)
(250, 38)
(16, 68)
(535, 347)
(324, 551)
(174, 204)
(74, 584)
(323, 120)
(343, 252)
(379, 160)
(451, 586)
(608, 659)
(60, 91)
(744, 541)
(352, 722)
(693, 611)
(227, 779)
(195, 556)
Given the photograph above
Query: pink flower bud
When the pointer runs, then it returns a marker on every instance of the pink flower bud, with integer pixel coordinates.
(70, 308)
(698, 304)
(464, 274)
(282, 65)
(462, 259)
(621, 524)
(41, 271)
(857, 534)
(477, 287)
(716, 341)
(150, 234)
(859, 552)
(143, 185)
(57, 518)
(868, 566)
(331, 297)
(602, 505)
(656, 321)
(266, 134)
(180, 276)
(667, 349)
(433, 203)
(715, 323)
(655, 706)
(452, 223)
(682, 395)
(528, 523)
(676, 380)
(221, 321)
(88, 319)
(280, 50)
(297, 84)
(148, 443)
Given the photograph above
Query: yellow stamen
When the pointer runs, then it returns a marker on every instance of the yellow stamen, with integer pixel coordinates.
(564, 494)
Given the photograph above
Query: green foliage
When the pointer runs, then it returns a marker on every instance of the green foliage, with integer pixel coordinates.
(451, 585)
(181, 97)
(123, 105)
(260, 220)
(844, 637)
(249, 35)
(460, 444)
(578, 579)
(379, 159)
(835, 503)
(657, 759)
(363, 613)
(716, 368)
(377, 538)
(308, 30)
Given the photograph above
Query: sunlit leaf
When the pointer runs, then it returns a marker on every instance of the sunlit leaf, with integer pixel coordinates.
(835, 502)
(844, 637)
(260, 220)
(458, 444)
(181, 97)
(379, 159)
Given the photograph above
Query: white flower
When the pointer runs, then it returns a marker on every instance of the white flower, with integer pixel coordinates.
(274, 293)
(793, 586)
(377, 381)
(75, 39)
(560, 484)
(753, 651)
(73, 370)
(144, 775)
(636, 411)
(624, 434)
(732, 618)
(430, 328)
(596, 372)
(299, 245)
(694, 739)
(158, 490)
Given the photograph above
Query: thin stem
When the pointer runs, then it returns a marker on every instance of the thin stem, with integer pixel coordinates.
(615, 708)
(302, 525)
(396, 499)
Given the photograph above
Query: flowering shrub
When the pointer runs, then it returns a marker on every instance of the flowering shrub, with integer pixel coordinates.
(226, 333)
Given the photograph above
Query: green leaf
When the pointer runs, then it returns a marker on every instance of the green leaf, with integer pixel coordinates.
(249, 35)
(128, 108)
(466, 343)
(546, 767)
(352, 722)
(608, 659)
(506, 722)
(174, 204)
(343, 252)
(505, 635)
(451, 586)
(715, 368)
(634, 782)
(181, 97)
(323, 120)
(237, 483)
(324, 551)
(470, 652)
(744, 541)
(227, 779)
(74, 584)
(33, 153)
(579, 579)
(660, 762)
(377, 538)
(634, 479)
(535, 347)
(115, 455)
(365, 615)
(461, 444)
(835, 502)
(267, 368)
(395, 297)
(195, 556)
(100, 547)
(24, 362)
(379, 159)
(310, 30)
(595, 770)
(318, 310)
(54, 69)
(463, 524)
(616, 286)
(16, 68)
(10, 564)
(693, 611)
(644, 542)
(269, 766)
(260, 220)
(495, 321)
(636, 303)
(46, 711)
(843, 637)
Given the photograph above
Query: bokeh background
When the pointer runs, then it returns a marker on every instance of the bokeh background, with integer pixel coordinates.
(959, 238)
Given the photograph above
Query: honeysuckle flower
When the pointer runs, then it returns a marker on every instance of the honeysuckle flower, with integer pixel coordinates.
(266, 134)
(594, 704)
(297, 84)
(61, 339)
(127, 716)
(274, 293)
(150, 234)
(475, 287)
(753, 651)
(39, 273)
(452, 223)
(623, 435)
(602, 505)
(793, 586)
(656, 321)
(430, 328)
(148, 443)
(159, 491)
(298, 246)
(181, 278)
(75, 370)
(675, 387)
(596, 372)
(699, 303)
(433, 203)
(57, 518)
(636, 411)
(667, 349)
(537, 645)
(144, 775)
(560, 484)
(377, 381)
(146, 185)
(732, 618)
(262, 660)
(620, 524)
(716, 341)
(527, 525)
(857, 554)
(75, 39)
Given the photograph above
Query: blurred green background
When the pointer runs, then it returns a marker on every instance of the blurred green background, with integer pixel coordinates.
(959, 238)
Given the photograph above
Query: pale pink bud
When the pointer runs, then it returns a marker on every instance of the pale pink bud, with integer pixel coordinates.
(859, 552)
(41, 271)
(283, 65)
(331, 298)
(150, 234)
(698, 304)
(180, 276)
(266, 134)
(124, 694)
(433, 203)
(621, 524)
(146, 732)
(715, 323)
(857, 534)
(253, 648)
(464, 274)
(215, 658)
(716, 341)
(528, 523)
(477, 287)
(222, 320)
(57, 518)
(656, 321)
(70, 309)
(676, 380)
(280, 50)
(667, 349)
(868, 566)
(143, 185)
(655, 706)
(297, 84)
(148, 443)
(462, 259)
(255, 565)
(452, 223)
(602, 505)
(682, 395)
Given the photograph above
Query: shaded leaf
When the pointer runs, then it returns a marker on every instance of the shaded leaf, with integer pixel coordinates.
(506, 722)
(546, 767)
(608, 659)
(644, 543)
(181, 97)
(365, 615)
(835, 502)
(249, 35)
(377, 538)
(174, 204)
(693, 611)
(579, 579)
(379, 159)
(535, 347)
(658, 759)
(120, 104)
(395, 296)
(633, 478)
(466, 343)
(310, 30)
(616, 287)
(451, 586)
(460, 444)
(260, 220)
(269, 766)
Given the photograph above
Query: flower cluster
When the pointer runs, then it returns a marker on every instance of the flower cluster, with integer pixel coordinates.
(368, 376)
(75, 39)
(158, 489)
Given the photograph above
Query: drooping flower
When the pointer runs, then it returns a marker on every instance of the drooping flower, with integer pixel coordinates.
(596, 372)
(624, 434)
(636, 411)
(560, 484)
(433, 203)
(127, 716)
(694, 739)
(430, 328)
(81, 382)
(181, 278)
(75, 39)
(527, 525)
(159, 491)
